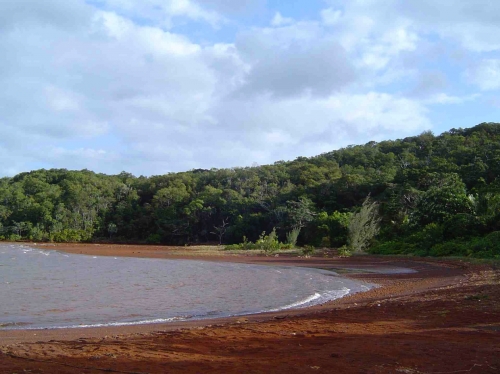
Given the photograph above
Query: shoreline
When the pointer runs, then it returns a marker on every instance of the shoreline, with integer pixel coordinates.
(363, 269)
(370, 307)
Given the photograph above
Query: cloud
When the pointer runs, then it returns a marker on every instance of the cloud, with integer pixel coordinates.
(288, 124)
(115, 85)
(232, 6)
(279, 20)
(429, 82)
(330, 16)
(473, 24)
(443, 98)
(486, 75)
(68, 15)
(162, 13)
(294, 60)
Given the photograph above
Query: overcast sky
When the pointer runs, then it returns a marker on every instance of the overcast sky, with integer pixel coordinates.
(156, 86)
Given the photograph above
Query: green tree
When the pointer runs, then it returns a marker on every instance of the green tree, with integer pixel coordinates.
(301, 212)
(112, 229)
(444, 199)
(363, 226)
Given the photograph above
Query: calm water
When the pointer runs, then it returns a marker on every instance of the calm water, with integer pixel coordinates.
(49, 289)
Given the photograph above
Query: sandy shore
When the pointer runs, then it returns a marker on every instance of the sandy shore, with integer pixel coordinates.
(443, 319)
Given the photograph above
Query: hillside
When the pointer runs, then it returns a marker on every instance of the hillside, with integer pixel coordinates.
(437, 195)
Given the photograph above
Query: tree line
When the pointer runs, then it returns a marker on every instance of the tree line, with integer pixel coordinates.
(435, 195)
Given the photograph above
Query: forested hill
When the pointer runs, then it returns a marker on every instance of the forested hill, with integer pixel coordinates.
(431, 190)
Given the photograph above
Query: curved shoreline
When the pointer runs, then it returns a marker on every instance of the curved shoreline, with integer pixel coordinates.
(358, 268)
(444, 318)
(256, 289)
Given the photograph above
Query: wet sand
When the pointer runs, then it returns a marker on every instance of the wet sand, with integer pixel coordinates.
(443, 319)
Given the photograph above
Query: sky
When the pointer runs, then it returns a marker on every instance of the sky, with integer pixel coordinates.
(158, 86)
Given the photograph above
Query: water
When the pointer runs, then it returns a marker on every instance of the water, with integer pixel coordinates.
(50, 289)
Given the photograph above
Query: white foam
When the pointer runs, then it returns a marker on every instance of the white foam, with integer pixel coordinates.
(111, 324)
(326, 289)
(315, 299)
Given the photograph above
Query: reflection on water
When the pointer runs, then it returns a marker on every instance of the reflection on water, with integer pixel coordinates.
(48, 289)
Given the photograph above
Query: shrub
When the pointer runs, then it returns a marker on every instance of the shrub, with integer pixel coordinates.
(461, 225)
(451, 248)
(422, 241)
(345, 251)
(245, 244)
(268, 243)
(154, 239)
(232, 247)
(70, 235)
(14, 238)
(391, 247)
(363, 226)
(486, 247)
(292, 236)
(308, 250)
(325, 242)
(37, 234)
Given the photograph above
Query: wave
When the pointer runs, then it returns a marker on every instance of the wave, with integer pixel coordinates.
(315, 299)
(148, 291)
(114, 324)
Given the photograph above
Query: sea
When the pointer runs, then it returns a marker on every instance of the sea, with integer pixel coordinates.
(47, 289)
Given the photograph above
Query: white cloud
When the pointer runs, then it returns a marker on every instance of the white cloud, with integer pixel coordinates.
(341, 117)
(61, 100)
(443, 98)
(331, 16)
(163, 12)
(429, 82)
(294, 60)
(119, 87)
(232, 6)
(279, 20)
(474, 24)
(486, 75)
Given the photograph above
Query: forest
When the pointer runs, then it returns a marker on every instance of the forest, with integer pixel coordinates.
(434, 195)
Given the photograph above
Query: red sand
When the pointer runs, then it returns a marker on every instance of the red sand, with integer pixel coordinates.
(443, 319)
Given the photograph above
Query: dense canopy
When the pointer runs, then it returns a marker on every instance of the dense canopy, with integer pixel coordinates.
(437, 195)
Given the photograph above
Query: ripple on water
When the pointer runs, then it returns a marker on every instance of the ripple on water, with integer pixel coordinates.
(50, 289)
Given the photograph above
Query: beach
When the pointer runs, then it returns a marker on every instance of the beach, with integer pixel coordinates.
(443, 318)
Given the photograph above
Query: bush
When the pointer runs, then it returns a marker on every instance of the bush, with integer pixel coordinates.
(232, 247)
(37, 234)
(421, 242)
(70, 235)
(292, 236)
(14, 238)
(308, 250)
(154, 239)
(268, 243)
(390, 248)
(246, 244)
(363, 226)
(461, 225)
(487, 247)
(345, 251)
(451, 248)
(325, 242)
